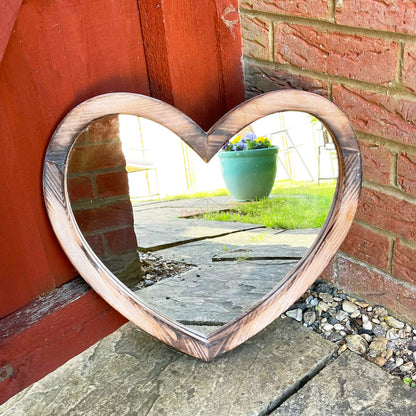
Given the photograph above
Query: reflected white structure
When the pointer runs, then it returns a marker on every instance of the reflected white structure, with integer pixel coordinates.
(160, 165)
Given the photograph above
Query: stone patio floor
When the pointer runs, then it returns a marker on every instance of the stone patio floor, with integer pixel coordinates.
(284, 370)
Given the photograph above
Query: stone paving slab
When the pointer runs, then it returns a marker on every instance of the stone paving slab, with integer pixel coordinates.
(215, 293)
(159, 223)
(255, 243)
(130, 373)
(270, 236)
(351, 385)
(158, 233)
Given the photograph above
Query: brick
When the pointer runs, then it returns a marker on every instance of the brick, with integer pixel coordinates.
(367, 245)
(80, 188)
(329, 273)
(255, 32)
(387, 212)
(82, 138)
(117, 214)
(120, 241)
(378, 114)
(376, 162)
(378, 288)
(112, 184)
(91, 158)
(96, 243)
(387, 15)
(259, 80)
(358, 57)
(409, 69)
(404, 262)
(306, 8)
(106, 129)
(406, 172)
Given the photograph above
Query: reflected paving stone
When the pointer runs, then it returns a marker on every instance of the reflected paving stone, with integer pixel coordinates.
(217, 292)
(131, 373)
(160, 232)
(351, 385)
(160, 223)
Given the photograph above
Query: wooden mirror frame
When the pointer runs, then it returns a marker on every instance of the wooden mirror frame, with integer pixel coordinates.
(206, 144)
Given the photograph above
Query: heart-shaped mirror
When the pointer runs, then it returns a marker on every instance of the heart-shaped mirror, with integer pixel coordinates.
(202, 239)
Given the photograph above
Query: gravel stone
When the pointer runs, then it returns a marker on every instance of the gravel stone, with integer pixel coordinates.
(327, 327)
(326, 297)
(379, 311)
(295, 314)
(389, 353)
(393, 322)
(349, 307)
(406, 367)
(341, 316)
(356, 343)
(332, 320)
(392, 334)
(365, 330)
(378, 347)
(335, 337)
(368, 326)
(309, 317)
(322, 306)
(379, 331)
(380, 361)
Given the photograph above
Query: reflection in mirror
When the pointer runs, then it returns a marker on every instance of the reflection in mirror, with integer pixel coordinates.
(164, 222)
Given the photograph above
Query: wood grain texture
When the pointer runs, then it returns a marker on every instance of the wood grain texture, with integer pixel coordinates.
(59, 54)
(8, 14)
(199, 48)
(206, 145)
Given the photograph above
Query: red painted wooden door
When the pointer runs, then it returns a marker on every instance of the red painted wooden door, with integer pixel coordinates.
(59, 53)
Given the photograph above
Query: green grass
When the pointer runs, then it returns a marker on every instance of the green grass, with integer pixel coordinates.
(217, 192)
(297, 205)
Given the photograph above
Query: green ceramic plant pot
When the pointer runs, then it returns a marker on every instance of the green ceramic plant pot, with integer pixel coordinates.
(250, 174)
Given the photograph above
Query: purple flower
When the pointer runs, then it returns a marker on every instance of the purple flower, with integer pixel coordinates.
(250, 136)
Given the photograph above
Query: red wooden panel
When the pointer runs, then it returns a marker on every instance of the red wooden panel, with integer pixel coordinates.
(42, 336)
(8, 13)
(200, 69)
(59, 54)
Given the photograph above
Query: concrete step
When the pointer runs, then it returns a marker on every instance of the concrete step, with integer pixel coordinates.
(131, 373)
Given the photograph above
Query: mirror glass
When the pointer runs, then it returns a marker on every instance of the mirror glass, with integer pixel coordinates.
(202, 242)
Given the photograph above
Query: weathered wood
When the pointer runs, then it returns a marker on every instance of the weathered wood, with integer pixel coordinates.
(37, 339)
(206, 145)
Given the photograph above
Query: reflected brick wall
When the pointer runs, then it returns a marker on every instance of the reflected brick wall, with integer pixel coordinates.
(99, 193)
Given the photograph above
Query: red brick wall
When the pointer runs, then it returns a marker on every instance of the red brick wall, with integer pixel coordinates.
(99, 193)
(360, 54)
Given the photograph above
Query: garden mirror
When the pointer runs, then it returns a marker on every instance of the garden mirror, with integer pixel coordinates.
(170, 227)
(164, 222)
